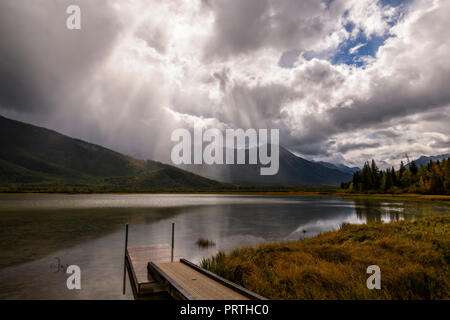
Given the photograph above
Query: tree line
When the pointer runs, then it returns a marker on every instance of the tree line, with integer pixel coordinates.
(432, 178)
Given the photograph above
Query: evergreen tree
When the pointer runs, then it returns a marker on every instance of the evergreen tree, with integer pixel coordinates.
(357, 181)
(367, 178)
(401, 170)
(394, 177)
(413, 168)
(432, 178)
(388, 184)
(375, 176)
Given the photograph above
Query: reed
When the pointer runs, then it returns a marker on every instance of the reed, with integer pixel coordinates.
(205, 243)
(414, 258)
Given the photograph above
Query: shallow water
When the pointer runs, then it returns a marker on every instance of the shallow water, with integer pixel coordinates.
(37, 231)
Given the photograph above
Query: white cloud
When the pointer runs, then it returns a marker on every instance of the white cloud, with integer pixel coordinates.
(356, 48)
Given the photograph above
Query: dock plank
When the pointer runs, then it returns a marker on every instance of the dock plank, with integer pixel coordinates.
(197, 284)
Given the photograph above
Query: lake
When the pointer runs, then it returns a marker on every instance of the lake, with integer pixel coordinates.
(39, 232)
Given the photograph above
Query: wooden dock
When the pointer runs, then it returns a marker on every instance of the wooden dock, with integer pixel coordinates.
(137, 259)
(151, 271)
(158, 269)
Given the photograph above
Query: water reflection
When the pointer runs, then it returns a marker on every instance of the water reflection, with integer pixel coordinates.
(374, 210)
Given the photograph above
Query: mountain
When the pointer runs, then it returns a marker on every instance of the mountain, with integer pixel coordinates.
(341, 167)
(37, 159)
(423, 160)
(293, 171)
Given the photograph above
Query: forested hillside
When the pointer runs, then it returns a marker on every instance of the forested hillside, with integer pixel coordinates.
(432, 178)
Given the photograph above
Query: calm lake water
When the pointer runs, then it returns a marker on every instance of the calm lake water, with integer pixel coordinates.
(89, 231)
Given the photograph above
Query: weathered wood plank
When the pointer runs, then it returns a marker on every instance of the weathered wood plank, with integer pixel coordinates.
(233, 286)
(196, 284)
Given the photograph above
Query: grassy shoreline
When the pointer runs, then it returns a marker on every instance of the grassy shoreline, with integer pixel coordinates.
(414, 258)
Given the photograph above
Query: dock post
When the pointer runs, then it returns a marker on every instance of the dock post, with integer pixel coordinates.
(125, 260)
(173, 241)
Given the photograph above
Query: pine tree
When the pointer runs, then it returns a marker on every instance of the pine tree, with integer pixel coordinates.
(367, 178)
(432, 178)
(388, 184)
(430, 164)
(375, 176)
(394, 177)
(357, 181)
(413, 168)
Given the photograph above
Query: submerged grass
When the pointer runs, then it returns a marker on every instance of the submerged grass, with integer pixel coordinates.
(413, 256)
(205, 243)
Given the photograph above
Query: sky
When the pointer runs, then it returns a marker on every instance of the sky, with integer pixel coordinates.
(343, 80)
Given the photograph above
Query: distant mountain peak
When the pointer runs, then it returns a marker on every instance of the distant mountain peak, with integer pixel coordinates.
(293, 171)
(340, 167)
(423, 160)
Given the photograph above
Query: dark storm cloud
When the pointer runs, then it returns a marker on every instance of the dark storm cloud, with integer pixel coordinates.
(322, 148)
(222, 77)
(240, 25)
(344, 148)
(441, 144)
(245, 26)
(390, 101)
(40, 59)
(393, 99)
(319, 74)
(388, 133)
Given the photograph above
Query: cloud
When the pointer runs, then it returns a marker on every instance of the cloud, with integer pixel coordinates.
(343, 148)
(39, 57)
(355, 49)
(242, 27)
(405, 79)
(138, 69)
(110, 83)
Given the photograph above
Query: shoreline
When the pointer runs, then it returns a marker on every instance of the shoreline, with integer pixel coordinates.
(405, 196)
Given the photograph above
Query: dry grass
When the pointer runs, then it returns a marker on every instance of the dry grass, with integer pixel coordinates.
(413, 256)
